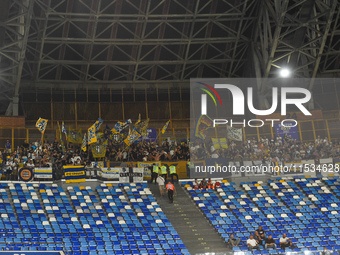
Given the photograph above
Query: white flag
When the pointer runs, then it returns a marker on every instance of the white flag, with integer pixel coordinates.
(234, 133)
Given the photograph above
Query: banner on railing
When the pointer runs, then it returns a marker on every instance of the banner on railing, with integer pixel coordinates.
(43, 172)
(109, 173)
(74, 174)
(25, 174)
(147, 166)
(130, 174)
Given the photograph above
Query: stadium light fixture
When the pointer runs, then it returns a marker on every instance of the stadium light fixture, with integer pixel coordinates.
(284, 72)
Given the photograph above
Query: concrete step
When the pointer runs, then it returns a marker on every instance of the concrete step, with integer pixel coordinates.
(194, 229)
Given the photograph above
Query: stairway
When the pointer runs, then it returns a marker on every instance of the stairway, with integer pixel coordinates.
(193, 228)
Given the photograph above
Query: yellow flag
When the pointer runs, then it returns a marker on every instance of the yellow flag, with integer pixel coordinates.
(165, 127)
(41, 125)
(91, 134)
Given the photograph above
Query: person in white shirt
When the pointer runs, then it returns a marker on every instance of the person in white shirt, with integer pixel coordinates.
(75, 159)
(9, 168)
(285, 242)
(160, 180)
(215, 154)
(30, 164)
(252, 243)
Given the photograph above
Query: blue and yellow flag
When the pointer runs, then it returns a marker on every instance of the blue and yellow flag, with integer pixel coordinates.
(98, 123)
(165, 127)
(63, 129)
(144, 127)
(114, 136)
(91, 134)
(120, 126)
(99, 149)
(83, 145)
(74, 174)
(41, 125)
(74, 136)
(204, 123)
(132, 137)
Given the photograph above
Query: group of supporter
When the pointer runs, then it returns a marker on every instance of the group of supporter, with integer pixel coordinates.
(259, 238)
(203, 184)
(279, 149)
(35, 154)
(148, 151)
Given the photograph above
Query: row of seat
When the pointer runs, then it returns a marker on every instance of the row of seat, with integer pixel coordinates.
(82, 220)
(302, 208)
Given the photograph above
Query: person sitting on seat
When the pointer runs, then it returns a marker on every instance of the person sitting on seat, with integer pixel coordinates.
(285, 242)
(252, 244)
(210, 184)
(270, 243)
(196, 185)
(203, 184)
(233, 242)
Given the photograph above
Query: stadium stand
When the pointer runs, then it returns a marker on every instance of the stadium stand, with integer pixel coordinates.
(303, 208)
(105, 220)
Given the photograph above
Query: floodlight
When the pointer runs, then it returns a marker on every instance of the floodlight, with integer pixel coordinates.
(284, 72)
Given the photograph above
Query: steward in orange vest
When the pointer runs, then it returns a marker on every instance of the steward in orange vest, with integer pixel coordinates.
(171, 189)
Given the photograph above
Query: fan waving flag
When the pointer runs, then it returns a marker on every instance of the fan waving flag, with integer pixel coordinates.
(99, 149)
(41, 125)
(98, 123)
(204, 123)
(63, 129)
(132, 137)
(120, 126)
(234, 133)
(165, 127)
(74, 136)
(143, 127)
(91, 134)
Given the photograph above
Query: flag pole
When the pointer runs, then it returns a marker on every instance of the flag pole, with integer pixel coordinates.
(42, 140)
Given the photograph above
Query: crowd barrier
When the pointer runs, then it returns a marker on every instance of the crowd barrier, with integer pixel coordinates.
(209, 168)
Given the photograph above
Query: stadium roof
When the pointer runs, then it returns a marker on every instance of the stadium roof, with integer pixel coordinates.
(110, 43)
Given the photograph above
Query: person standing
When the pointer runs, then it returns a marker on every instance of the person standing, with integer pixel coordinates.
(171, 190)
(8, 147)
(155, 172)
(164, 171)
(190, 167)
(260, 235)
(173, 173)
(160, 180)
